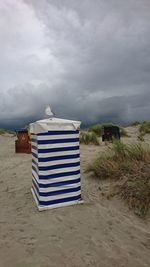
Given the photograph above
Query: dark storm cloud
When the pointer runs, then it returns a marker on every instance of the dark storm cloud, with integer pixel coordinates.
(89, 59)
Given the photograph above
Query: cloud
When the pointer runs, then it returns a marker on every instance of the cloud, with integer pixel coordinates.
(88, 59)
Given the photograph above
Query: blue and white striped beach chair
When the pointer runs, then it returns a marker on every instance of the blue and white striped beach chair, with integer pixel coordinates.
(55, 163)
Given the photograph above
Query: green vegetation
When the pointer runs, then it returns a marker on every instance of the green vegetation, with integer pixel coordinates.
(123, 132)
(145, 127)
(88, 138)
(2, 131)
(130, 166)
(135, 123)
(141, 137)
(90, 135)
(98, 129)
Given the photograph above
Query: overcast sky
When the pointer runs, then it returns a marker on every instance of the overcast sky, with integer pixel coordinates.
(88, 59)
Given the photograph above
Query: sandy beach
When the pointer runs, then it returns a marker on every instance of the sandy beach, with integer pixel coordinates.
(100, 232)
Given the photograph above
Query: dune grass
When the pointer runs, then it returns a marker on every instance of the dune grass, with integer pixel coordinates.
(123, 132)
(2, 131)
(88, 138)
(145, 127)
(98, 129)
(141, 137)
(130, 165)
(135, 123)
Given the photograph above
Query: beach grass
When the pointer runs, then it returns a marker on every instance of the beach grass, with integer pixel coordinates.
(98, 129)
(2, 131)
(145, 127)
(88, 138)
(130, 165)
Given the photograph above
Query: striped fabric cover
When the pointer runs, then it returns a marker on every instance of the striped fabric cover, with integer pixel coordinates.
(56, 168)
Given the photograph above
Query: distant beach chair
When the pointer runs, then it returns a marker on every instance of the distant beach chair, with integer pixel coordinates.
(22, 144)
(110, 133)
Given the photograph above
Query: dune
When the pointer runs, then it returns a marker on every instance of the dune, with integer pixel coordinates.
(100, 232)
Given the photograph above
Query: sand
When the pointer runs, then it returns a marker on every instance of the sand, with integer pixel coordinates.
(99, 233)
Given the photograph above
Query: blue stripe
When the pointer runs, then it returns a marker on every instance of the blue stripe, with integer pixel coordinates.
(33, 140)
(59, 132)
(35, 193)
(59, 158)
(35, 169)
(34, 162)
(59, 166)
(58, 149)
(57, 184)
(57, 201)
(35, 185)
(33, 177)
(35, 148)
(58, 141)
(60, 192)
(34, 155)
(58, 175)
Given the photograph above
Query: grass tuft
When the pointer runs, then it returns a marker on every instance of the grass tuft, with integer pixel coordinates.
(123, 132)
(145, 128)
(131, 165)
(2, 131)
(136, 192)
(88, 138)
(135, 123)
(98, 129)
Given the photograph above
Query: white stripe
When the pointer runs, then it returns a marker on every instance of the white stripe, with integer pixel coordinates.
(47, 146)
(61, 196)
(56, 197)
(35, 180)
(34, 137)
(61, 170)
(35, 159)
(55, 162)
(54, 206)
(33, 143)
(59, 180)
(55, 180)
(35, 151)
(34, 165)
(63, 153)
(36, 176)
(34, 147)
(58, 188)
(52, 189)
(55, 137)
(59, 205)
